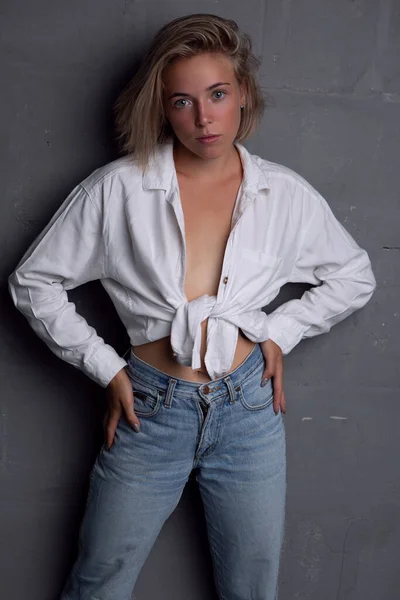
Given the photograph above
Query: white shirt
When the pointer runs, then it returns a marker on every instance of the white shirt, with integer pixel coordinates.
(126, 229)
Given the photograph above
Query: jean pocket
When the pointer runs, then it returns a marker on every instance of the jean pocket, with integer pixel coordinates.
(147, 399)
(254, 397)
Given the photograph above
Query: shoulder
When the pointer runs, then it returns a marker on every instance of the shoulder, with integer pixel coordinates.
(287, 188)
(121, 173)
(282, 177)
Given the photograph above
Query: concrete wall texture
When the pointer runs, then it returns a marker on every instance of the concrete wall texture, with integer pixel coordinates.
(333, 70)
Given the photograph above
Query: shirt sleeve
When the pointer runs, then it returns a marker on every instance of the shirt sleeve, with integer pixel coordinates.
(67, 253)
(340, 270)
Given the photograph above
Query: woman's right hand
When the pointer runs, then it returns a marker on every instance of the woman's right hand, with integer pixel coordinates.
(119, 398)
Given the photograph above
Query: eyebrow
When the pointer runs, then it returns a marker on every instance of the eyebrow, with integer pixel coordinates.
(214, 85)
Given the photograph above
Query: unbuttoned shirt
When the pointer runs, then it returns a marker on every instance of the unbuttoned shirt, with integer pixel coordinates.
(125, 227)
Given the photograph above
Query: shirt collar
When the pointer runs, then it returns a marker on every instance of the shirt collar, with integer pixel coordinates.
(160, 171)
(255, 177)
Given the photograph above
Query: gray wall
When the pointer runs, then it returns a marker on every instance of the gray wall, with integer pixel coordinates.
(333, 70)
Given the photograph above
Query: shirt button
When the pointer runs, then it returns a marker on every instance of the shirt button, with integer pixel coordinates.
(225, 280)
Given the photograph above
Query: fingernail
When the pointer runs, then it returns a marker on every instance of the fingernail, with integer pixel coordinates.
(136, 427)
(264, 382)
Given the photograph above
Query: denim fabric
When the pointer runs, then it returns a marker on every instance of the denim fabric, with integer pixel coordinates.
(227, 431)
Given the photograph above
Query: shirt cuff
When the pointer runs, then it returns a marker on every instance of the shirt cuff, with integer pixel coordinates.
(103, 365)
(284, 331)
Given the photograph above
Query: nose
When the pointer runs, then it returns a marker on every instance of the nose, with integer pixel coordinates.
(203, 115)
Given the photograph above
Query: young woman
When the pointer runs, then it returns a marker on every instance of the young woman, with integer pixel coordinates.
(191, 236)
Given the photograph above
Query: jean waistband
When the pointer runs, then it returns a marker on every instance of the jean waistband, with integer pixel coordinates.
(157, 378)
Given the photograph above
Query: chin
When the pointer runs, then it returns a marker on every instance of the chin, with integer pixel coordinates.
(213, 150)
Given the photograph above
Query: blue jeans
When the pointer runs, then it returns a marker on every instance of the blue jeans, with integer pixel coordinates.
(228, 432)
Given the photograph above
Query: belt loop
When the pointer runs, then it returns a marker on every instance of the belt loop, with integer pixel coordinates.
(170, 390)
(232, 392)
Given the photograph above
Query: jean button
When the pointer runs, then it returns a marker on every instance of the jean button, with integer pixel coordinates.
(206, 389)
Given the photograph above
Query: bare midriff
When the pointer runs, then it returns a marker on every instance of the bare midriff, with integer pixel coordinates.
(159, 355)
(208, 210)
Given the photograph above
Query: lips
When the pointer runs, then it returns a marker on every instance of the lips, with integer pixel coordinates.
(208, 139)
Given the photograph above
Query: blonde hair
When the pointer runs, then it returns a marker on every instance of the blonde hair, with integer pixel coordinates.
(139, 114)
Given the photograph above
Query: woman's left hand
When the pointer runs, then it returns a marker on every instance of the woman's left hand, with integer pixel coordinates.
(274, 368)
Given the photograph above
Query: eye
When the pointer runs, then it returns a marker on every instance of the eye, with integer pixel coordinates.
(219, 94)
(179, 103)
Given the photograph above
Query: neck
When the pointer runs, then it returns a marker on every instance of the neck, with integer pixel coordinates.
(213, 169)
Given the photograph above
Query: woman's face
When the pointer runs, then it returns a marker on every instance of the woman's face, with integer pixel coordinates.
(202, 97)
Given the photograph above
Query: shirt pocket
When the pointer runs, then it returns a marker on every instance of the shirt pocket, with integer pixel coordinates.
(257, 265)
